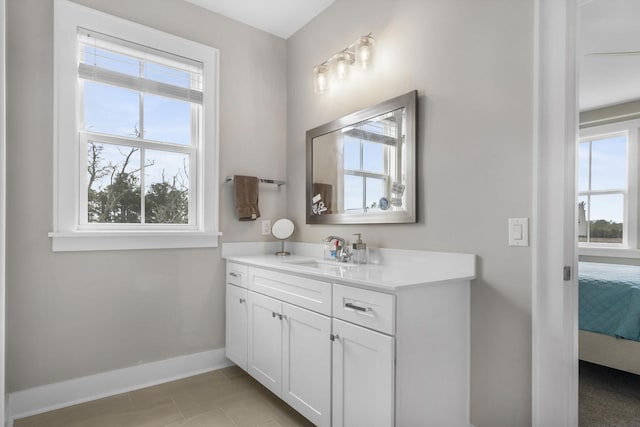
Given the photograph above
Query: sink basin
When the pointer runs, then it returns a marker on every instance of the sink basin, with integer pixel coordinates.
(322, 264)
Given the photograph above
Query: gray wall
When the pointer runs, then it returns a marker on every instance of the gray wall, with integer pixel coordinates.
(75, 314)
(471, 62)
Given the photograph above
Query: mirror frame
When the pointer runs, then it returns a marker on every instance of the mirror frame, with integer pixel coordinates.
(407, 101)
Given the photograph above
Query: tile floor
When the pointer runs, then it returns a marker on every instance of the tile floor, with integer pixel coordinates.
(224, 398)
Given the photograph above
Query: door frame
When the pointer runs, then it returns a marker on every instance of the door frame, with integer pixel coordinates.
(554, 300)
(3, 156)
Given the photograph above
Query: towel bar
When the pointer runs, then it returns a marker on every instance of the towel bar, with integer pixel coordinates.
(262, 180)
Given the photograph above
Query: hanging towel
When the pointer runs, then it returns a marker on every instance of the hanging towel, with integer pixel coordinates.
(246, 195)
(326, 195)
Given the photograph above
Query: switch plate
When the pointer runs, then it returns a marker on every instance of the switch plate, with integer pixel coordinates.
(266, 227)
(518, 231)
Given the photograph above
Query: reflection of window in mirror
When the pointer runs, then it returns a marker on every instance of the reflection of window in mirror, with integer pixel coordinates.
(361, 167)
(369, 163)
(604, 211)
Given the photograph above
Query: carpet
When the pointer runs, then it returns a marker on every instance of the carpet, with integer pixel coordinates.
(608, 397)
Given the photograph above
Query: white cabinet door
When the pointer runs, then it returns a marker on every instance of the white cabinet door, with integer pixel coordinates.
(363, 377)
(236, 329)
(265, 341)
(306, 363)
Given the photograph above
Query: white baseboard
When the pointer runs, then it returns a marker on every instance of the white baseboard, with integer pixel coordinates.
(79, 390)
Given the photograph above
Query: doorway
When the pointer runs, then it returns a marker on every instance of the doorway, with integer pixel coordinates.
(607, 188)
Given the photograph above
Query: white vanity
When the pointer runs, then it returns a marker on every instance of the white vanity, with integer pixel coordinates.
(356, 345)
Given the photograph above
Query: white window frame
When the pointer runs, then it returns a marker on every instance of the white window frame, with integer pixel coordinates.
(629, 247)
(68, 233)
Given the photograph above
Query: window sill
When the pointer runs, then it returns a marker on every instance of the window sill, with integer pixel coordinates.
(609, 252)
(127, 240)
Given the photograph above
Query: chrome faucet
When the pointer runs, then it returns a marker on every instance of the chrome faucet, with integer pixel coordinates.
(343, 254)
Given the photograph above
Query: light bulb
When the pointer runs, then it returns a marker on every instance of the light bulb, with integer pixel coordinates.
(320, 79)
(364, 51)
(342, 61)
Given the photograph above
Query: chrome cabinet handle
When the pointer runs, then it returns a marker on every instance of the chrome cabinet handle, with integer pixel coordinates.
(356, 307)
(242, 300)
(335, 337)
(234, 274)
(278, 315)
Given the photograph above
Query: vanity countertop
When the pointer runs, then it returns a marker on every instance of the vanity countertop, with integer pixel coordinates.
(414, 268)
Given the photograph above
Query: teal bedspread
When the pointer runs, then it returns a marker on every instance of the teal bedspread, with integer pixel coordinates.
(610, 299)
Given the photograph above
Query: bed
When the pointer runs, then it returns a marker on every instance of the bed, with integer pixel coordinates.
(609, 315)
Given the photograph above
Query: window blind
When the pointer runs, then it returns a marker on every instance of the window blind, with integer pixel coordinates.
(129, 65)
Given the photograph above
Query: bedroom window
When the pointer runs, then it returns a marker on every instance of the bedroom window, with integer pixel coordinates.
(136, 125)
(607, 189)
(602, 186)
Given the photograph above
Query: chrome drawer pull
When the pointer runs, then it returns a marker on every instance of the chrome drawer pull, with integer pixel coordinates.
(242, 300)
(356, 307)
(234, 274)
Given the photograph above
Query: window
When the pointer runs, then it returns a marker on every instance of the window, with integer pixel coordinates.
(607, 187)
(368, 162)
(136, 115)
(139, 126)
(602, 187)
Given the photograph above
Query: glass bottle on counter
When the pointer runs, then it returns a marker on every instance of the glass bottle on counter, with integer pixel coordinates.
(359, 254)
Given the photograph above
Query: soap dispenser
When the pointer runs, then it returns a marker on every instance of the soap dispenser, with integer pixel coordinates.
(359, 250)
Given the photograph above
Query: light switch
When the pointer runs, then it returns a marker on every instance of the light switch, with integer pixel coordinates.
(518, 231)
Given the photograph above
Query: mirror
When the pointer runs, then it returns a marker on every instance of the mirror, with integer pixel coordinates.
(282, 229)
(361, 168)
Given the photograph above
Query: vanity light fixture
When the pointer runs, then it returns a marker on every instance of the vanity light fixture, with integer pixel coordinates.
(359, 53)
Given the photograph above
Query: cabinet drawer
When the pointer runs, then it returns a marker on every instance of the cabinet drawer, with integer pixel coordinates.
(237, 274)
(374, 310)
(307, 293)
